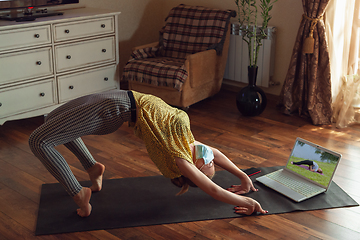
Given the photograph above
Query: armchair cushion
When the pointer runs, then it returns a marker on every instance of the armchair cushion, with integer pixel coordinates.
(159, 71)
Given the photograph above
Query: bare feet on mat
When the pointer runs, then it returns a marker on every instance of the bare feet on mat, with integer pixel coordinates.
(96, 175)
(82, 199)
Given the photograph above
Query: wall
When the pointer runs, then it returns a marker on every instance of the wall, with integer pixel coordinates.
(140, 21)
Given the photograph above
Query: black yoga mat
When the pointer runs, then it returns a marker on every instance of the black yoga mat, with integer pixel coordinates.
(144, 201)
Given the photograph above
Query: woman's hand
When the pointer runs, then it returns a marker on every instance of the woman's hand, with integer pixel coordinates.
(245, 187)
(251, 207)
(245, 205)
(240, 189)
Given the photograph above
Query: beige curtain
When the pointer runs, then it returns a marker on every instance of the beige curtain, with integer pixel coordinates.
(307, 86)
(342, 19)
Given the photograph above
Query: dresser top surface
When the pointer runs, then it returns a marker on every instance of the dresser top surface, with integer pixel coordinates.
(71, 14)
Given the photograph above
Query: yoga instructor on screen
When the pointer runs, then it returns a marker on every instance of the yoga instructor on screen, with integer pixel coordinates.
(165, 131)
(313, 166)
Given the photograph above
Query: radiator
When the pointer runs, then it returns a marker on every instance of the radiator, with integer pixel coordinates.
(238, 58)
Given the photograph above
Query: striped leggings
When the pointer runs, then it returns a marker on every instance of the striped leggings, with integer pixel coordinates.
(95, 114)
(305, 162)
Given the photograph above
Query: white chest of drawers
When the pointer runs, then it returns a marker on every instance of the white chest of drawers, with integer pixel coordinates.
(49, 61)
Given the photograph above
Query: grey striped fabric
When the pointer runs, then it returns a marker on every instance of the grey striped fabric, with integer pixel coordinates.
(95, 114)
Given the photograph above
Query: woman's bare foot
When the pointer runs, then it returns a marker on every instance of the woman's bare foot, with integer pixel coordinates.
(82, 199)
(96, 175)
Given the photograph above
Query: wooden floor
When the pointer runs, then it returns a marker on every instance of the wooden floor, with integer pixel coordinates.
(264, 141)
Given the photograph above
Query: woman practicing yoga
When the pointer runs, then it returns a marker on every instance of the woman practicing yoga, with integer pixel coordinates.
(313, 166)
(165, 131)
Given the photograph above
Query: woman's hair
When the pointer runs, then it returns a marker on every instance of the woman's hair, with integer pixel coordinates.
(184, 183)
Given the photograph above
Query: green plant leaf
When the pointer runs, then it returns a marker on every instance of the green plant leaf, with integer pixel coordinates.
(248, 19)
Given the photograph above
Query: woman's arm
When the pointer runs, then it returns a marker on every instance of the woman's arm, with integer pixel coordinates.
(245, 205)
(222, 161)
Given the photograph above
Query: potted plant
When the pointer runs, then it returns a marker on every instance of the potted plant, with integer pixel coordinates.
(251, 100)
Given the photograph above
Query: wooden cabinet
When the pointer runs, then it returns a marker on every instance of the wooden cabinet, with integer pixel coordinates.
(85, 53)
(27, 97)
(18, 66)
(52, 60)
(73, 85)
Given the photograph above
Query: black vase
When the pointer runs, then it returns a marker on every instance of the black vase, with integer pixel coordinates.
(251, 100)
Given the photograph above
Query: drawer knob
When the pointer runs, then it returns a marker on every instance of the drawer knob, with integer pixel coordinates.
(104, 50)
(68, 57)
(38, 63)
(67, 31)
(106, 78)
(71, 87)
(37, 35)
(103, 25)
(0, 104)
(42, 94)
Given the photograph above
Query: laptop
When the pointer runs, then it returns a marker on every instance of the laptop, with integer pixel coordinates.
(308, 172)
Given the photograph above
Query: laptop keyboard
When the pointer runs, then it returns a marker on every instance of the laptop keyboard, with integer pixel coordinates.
(293, 184)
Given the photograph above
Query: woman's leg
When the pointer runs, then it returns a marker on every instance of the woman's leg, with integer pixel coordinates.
(44, 149)
(304, 162)
(78, 148)
(42, 143)
(94, 169)
(65, 125)
(90, 115)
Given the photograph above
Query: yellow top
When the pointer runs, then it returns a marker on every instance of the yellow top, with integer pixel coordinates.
(165, 131)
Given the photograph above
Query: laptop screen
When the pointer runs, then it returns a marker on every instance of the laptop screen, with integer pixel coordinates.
(313, 162)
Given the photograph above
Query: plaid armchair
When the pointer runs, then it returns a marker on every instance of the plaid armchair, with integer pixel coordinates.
(188, 63)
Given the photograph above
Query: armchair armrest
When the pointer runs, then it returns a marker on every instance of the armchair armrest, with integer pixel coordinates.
(154, 44)
(144, 51)
(201, 67)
